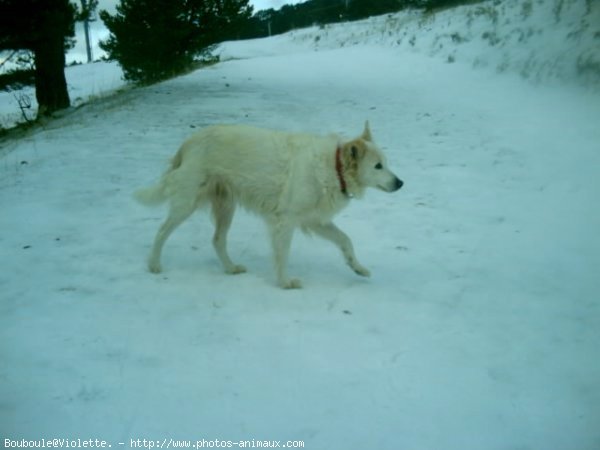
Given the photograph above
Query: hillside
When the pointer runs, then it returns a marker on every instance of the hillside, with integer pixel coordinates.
(542, 41)
(547, 41)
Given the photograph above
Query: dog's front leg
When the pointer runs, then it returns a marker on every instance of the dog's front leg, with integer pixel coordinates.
(333, 234)
(281, 238)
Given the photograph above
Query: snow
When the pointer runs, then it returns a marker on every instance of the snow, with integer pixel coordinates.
(478, 328)
(542, 40)
(84, 82)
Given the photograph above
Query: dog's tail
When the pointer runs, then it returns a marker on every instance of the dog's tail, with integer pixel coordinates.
(157, 194)
(151, 196)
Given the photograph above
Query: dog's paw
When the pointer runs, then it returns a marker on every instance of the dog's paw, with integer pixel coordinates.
(293, 283)
(235, 269)
(362, 271)
(154, 267)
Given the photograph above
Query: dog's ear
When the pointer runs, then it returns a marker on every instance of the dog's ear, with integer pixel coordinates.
(355, 151)
(366, 135)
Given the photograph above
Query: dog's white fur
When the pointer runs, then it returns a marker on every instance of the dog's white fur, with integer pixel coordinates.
(291, 180)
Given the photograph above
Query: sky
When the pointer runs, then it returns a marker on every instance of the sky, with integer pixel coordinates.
(266, 4)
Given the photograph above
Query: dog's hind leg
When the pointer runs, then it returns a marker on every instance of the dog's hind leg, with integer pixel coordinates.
(223, 207)
(281, 238)
(333, 234)
(180, 209)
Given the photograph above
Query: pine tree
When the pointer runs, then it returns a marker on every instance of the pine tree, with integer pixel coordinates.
(45, 27)
(156, 39)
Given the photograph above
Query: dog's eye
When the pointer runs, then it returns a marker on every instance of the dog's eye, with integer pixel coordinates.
(378, 166)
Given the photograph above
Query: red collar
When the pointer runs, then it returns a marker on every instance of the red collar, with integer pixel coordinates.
(338, 168)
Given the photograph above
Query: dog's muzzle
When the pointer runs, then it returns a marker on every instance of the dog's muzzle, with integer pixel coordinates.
(393, 186)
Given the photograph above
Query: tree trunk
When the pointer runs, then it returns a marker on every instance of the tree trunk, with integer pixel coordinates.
(50, 82)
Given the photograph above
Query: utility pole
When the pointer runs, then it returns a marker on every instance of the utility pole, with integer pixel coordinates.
(86, 30)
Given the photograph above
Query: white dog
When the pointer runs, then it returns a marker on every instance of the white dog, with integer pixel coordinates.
(292, 180)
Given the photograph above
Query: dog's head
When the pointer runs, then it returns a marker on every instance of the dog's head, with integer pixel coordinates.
(365, 165)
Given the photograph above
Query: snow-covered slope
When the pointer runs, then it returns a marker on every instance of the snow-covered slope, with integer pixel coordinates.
(541, 40)
(478, 329)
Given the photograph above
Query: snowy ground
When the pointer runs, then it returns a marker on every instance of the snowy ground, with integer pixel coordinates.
(478, 329)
